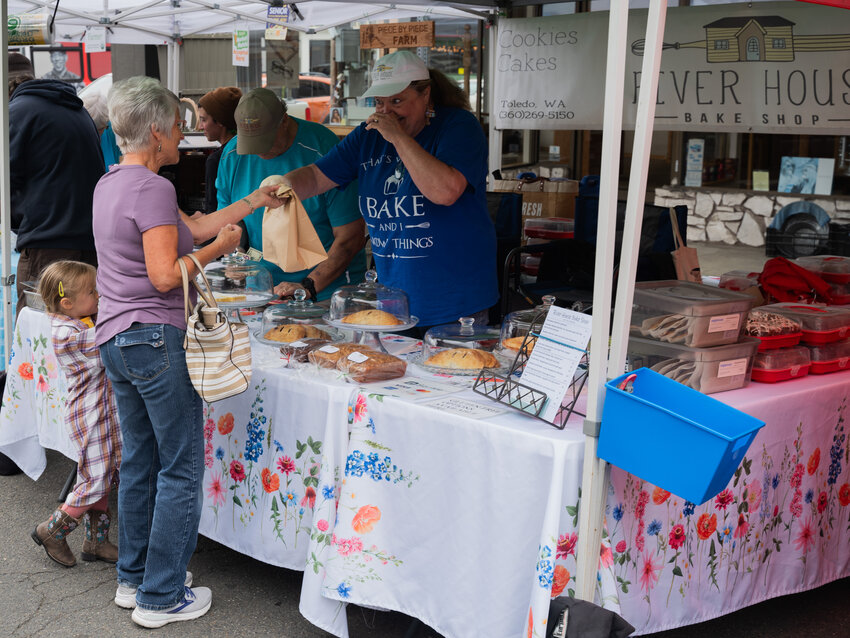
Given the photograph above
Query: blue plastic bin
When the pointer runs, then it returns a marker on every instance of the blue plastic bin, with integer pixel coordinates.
(672, 436)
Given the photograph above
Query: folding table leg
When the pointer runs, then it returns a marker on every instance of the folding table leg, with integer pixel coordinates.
(69, 483)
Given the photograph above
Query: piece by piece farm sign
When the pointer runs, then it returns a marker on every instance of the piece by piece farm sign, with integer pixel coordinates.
(765, 67)
(397, 35)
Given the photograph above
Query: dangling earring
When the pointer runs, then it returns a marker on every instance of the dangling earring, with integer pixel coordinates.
(159, 148)
(430, 112)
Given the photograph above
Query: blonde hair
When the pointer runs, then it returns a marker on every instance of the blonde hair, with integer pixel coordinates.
(63, 279)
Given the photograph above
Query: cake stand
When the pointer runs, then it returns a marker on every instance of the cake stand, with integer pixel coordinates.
(370, 336)
(252, 300)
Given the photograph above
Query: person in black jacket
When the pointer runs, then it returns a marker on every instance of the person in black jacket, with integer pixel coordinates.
(54, 163)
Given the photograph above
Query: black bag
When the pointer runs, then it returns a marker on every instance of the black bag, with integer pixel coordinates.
(572, 618)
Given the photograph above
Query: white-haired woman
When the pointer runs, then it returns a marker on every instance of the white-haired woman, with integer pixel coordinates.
(140, 235)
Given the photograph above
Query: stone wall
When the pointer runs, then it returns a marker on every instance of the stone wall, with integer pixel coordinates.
(739, 217)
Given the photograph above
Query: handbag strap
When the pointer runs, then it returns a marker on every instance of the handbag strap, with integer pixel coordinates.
(674, 223)
(206, 295)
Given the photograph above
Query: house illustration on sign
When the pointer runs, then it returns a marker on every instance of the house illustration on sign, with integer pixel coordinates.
(750, 39)
(755, 39)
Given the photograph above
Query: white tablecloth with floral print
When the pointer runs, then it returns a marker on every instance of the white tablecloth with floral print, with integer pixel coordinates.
(470, 524)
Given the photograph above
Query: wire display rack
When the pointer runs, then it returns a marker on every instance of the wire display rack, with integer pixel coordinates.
(509, 391)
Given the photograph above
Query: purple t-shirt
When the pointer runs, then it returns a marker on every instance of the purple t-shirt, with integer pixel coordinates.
(129, 200)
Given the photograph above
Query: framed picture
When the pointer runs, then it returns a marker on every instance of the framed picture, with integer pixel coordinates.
(806, 175)
(337, 115)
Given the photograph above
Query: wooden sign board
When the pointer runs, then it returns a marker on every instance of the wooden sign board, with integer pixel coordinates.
(397, 35)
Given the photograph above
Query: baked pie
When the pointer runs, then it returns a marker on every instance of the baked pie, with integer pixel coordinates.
(462, 359)
(289, 332)
(372, 317)
(515, 343)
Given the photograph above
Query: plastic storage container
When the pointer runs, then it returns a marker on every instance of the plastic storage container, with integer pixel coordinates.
(706, 370)
(678, 439)
(780, 365)
(831, 357)
(549, 228)
(739, 280)
(529, 264)
(821, 324)
(33, 298)
(840, 294)
(688, 313)
(370, 306)
(517, 324)
(772, 329)
(831, 268)
(237, 281)
(460, 348)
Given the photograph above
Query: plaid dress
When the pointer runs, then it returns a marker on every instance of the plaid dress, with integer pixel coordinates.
(92, 415)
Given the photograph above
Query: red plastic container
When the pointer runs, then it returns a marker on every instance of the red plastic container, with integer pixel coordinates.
(832, 357)
(549, 228)
(781, 365)
(821, 324)
(831, 268)
(779, 341)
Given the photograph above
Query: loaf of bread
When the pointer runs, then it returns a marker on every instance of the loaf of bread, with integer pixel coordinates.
(300, 349)
(328, 356)
(515, 343)
(289, 332)
(372, 317)
(462, 359)
(376, 366)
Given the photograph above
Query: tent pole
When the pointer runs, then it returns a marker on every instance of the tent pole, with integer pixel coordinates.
(5, 198)
(595, 471)
(644, 124)
(495, 135)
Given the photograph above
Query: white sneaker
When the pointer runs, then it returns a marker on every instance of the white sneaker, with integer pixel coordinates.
(125, 595)
(196, 602)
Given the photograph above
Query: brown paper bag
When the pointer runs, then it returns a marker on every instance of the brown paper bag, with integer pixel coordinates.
(542, 198)
(289, 239)
(685, 258)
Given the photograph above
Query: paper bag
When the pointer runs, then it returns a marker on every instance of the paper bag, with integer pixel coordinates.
(541, 197)
(685, 258)
(289, 239)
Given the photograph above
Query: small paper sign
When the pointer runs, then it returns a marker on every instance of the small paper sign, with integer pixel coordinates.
(95, 39)
(414, 388)
(552, 364)
(275, 30)
(329, 349)
(241, 46)
(357, 357)
(297, 344)
(463, 407)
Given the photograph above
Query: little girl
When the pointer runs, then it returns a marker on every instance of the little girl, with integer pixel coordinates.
(68, 290)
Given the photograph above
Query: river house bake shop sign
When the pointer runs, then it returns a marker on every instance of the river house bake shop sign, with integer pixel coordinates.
(764, 67)
(397, 35)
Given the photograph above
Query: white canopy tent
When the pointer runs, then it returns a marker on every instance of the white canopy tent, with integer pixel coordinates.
(166, 21)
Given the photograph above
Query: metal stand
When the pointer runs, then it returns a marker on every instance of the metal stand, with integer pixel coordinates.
(510, 392)
(69, 483)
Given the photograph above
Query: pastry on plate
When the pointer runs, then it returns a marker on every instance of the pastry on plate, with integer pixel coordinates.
(372, 317)
(229, 298)
(289, 332)
(368, 366)
(463, 359)
(515, 343)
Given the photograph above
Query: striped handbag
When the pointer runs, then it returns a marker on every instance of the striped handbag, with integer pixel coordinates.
(218, 353)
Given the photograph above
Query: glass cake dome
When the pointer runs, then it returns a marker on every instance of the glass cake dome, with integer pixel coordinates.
(461, 346)
(370, 306)
(295, 320)
(517, 324)
(236, 281)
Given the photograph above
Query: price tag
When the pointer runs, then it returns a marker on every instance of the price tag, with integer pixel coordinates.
(328, 349)
(723, 323)
(357, 357)
(299, 344)
(732, 368)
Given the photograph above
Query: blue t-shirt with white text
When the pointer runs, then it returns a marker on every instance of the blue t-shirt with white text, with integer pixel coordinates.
(443, 257)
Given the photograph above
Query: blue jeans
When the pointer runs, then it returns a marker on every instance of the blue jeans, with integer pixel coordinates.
(162, 468)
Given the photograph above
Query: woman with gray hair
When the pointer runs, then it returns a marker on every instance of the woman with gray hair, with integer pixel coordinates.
(140, 234)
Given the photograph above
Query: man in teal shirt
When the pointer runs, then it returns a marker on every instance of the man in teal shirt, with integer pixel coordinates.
(271, 142)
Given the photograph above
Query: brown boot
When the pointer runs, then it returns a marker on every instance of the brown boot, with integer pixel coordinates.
(96, 546)
(51, 535)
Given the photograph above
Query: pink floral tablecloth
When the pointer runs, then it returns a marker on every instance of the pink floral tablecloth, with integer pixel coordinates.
(782, 525)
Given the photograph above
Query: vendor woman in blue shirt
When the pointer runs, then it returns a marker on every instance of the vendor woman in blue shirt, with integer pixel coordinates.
(421, 163)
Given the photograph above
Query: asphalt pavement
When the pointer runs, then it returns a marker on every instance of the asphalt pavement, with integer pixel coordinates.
(40, 599)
